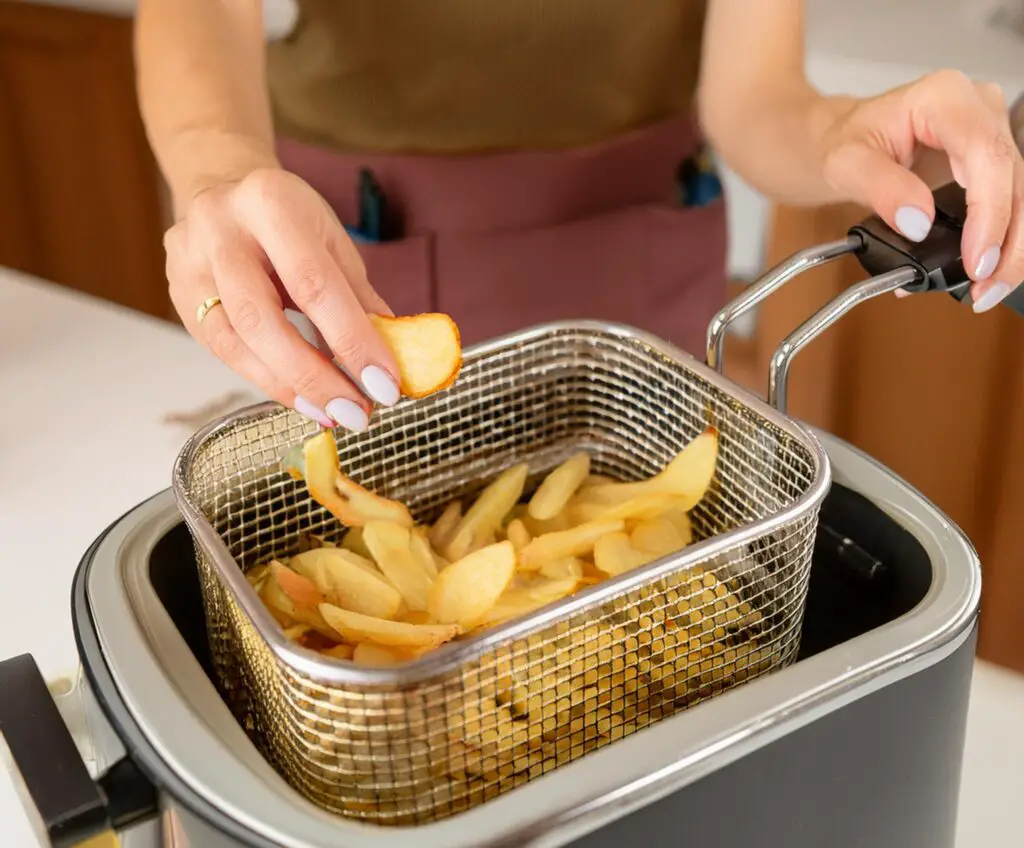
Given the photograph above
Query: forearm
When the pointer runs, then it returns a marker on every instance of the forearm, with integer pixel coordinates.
(202, 91)
(759, 112)
(776, 145)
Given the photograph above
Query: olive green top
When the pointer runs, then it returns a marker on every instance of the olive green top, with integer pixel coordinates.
(462, 76)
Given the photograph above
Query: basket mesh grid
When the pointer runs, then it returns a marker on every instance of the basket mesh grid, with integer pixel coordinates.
(424, 747)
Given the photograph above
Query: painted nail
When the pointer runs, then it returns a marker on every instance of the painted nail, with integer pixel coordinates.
(992, 296)
(348, 414)
(987, 263)
(914, 223)
(304, 407)
(379, 385)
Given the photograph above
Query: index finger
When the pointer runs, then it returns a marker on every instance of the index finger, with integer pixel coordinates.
(952, 116)
(320, 289)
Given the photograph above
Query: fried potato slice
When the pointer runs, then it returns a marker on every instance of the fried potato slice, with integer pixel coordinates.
(347, 583)
(469, 587)
(658, 537)
(353, 542)
(485, 516)
(558, 487)
(257, 577)
(552, 589)
(565, 520)
(681, 521)
(372, 655)
(522, 600)
(339, 652)
(355, 627)
(576, 542)
(416, 617)
(614, 555)
(514, 604)
(422, 552)
(517, 534)
(441, 531)
(310, 541)
(293, 599)
(562, 569)
(390, 545)
(345, 499)
(427, 350)
(687, 477)
(640, 508)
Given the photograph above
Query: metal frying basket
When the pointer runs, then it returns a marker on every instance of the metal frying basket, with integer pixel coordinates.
(477, 718)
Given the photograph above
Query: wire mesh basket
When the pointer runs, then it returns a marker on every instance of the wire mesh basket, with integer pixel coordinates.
(458, 726)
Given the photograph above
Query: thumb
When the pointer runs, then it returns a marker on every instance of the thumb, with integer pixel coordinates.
(868, 176)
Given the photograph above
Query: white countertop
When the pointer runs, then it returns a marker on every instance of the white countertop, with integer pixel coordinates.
(92, 396)
(91, 392)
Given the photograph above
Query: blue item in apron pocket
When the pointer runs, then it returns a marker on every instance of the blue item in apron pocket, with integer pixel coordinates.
(697, 180)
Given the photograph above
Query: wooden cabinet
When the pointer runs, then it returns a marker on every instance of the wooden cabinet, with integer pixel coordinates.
(80, 194)
(931, 390)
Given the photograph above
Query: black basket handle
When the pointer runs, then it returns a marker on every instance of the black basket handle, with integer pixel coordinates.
(894, 262)
(72, 807)
(938, 259)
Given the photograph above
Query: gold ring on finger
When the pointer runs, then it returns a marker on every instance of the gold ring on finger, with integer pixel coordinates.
(204, 308)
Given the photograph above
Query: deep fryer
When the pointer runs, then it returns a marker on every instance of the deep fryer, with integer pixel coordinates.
(858, 741)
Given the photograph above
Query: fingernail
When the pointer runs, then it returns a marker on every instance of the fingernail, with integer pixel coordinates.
(901, 293)
(304, 407)
(992, 296)
(379, 385)
(348, 414)
(987, 263)
(914, 223)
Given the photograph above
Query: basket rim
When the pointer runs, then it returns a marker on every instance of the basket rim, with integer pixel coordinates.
(449, 657)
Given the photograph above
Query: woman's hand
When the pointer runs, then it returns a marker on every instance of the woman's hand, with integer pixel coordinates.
(797, 147)
(871, 146)
(264, 244)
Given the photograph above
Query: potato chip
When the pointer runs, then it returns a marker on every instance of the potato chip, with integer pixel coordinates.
(469, 587)
(558, 487)
(426, 348)
(372, 655)
(614, 555)
(487, 513)
(517, 534)
(579, 541)
(441, 531)
(339, 652)
(293, 599)
(640, 508)
(421, 550)
(355, 627)
(347, 583)
(345, 499)
(562, 568)
(657, 536)
(390, 545)
(687, 477)
(353, 542)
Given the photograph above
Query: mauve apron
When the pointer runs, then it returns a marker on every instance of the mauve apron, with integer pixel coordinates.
(503, 241)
